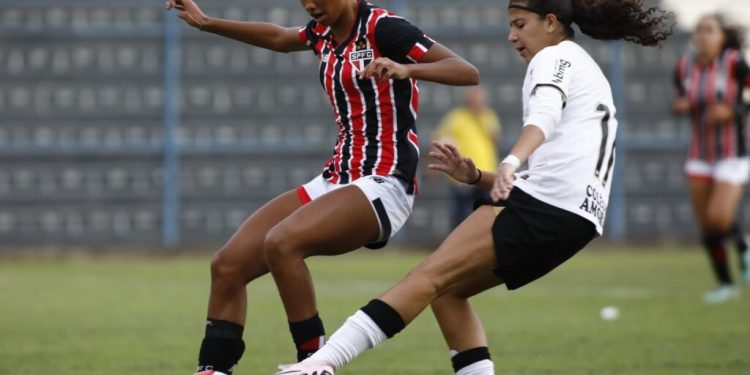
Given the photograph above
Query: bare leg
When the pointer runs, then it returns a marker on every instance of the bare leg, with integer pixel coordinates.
(467, 251)
(241, 260)
(700, 193)
(722, 206)
(458, 321)
(336, 223)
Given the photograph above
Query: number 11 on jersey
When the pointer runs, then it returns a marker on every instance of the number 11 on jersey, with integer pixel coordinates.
(603, 172)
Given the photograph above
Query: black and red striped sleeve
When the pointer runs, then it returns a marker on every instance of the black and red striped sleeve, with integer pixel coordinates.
(310, 35)
(400, 41)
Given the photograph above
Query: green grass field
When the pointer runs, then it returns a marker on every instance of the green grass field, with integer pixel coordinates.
(118, 315)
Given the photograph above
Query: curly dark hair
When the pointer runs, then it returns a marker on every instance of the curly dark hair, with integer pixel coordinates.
(623, 19)
(734, 34)
(606, 19)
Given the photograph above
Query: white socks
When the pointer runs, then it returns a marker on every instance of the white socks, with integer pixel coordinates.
(358, 334)
(483, 367)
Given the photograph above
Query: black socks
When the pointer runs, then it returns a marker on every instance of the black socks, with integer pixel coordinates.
(717, 252)
(470, 357)
(222, 346)
(308, 336)
(387, 319)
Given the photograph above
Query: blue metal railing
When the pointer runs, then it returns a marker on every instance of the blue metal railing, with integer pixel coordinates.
(171, 193)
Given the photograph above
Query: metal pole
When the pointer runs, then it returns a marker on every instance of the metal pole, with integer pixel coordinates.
(617, 216)
(171, 155)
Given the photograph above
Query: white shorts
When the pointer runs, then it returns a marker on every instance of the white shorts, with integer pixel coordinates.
(732, 170)
(387, 195)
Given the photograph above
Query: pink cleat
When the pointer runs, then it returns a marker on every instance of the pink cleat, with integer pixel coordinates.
(303, 368)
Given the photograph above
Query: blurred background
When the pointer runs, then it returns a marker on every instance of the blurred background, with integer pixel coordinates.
(122, 129)
(121, 126)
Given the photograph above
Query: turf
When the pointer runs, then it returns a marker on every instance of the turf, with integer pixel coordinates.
(145, 316)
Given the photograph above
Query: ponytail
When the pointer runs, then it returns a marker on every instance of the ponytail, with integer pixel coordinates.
(606, 19)
(623, 19)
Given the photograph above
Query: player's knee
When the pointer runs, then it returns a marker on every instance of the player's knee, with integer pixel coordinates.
(717, 222)
(279, 246)
(223, 270)
(423, 281)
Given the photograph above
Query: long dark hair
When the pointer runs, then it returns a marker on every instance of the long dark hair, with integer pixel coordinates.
(607, 19)
(734, 34)
(623, 19)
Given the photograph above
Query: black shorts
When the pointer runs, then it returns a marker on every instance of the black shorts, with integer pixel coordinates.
(532, 238)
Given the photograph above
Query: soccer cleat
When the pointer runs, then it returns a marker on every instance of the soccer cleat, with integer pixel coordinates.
(721, 294)
(210, 372)
(746, 271)
(305, 369)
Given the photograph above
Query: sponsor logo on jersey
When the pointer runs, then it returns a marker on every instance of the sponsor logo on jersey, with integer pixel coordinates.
(378, 179)
(595, 204)
(560, 67)
(362, 55)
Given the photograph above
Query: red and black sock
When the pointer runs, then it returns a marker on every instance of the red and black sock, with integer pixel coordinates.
(717, 252)
(222, 346)
(308, 335)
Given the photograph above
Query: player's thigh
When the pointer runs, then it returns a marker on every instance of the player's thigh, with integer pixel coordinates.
(337, 222)
(722, 205)
(467, 251)
(700, 193)
(244, 250)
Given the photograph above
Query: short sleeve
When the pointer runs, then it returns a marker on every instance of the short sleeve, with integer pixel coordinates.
(551, 68)
(401, 41)
(310, 35)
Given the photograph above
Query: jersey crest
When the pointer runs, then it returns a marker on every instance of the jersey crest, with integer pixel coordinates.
(362, 54)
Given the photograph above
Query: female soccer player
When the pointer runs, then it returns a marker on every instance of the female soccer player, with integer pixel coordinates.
(370, 61)
(546, 213)
(709, 85)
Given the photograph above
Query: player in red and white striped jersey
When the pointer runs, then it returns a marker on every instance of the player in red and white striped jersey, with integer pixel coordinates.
(709, 85)
(370, 61)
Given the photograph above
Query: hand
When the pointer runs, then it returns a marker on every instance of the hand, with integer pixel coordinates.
(719, 112)
(384, 69)
(188, 12)
(681, 105)
(503, 182)
(449, 161)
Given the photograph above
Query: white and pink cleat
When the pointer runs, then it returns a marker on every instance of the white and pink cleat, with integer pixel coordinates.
(303, 368)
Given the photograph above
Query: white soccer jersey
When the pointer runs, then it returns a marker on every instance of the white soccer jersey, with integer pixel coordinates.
(572, 169)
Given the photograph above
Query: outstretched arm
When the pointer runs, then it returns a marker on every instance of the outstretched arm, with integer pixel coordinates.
(439, 64)
(260, 34)
(442, 65)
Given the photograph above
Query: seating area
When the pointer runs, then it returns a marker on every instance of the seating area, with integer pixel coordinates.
(82, 95)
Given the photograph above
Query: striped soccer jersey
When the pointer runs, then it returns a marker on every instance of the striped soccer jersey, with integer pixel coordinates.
(376, 121)
(720, 81)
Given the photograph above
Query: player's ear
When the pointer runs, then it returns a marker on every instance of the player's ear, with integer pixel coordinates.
(550, 23)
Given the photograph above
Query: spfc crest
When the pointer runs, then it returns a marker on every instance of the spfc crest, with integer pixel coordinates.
(362, 55)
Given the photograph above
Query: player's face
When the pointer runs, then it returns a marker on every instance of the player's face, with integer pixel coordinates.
(708, 37)
(326, 12)
(529, 33)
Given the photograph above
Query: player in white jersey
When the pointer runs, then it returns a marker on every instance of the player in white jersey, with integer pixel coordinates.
(540, 217)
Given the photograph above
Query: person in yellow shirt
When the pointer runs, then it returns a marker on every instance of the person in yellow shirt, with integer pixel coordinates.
(475, 130)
